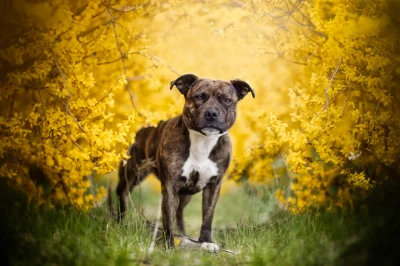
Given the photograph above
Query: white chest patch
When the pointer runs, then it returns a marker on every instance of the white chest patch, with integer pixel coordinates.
(198, 161)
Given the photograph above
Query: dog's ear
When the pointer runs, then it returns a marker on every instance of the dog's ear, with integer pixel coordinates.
(242, 88)
(183, 83)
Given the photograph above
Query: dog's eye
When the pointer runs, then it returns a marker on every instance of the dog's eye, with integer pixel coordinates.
(198, 97)
(228, 100)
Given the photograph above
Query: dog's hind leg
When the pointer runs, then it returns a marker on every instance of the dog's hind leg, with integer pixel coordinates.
(130, 175)
(124, 188)
(183, 201)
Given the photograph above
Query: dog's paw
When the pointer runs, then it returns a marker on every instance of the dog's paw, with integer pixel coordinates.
(187, 243)
(210, 247)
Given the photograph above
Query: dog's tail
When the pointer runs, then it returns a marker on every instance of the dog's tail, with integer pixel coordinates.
(110, 201)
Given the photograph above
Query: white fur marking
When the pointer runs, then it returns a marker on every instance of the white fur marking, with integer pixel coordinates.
(210, 131)
(193, 244)
(209, 246)
(200, 149)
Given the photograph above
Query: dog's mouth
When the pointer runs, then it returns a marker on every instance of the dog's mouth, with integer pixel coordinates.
(211, 131)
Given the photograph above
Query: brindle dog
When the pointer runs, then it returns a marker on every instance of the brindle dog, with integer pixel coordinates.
(191, 151)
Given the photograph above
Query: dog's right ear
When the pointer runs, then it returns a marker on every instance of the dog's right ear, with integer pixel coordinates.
(183, 83)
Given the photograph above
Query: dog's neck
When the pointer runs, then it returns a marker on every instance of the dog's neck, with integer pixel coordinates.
(202, 145)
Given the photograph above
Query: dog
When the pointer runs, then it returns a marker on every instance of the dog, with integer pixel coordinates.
(191, 152)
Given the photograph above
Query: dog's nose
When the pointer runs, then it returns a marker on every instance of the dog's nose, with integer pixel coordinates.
(211, 114)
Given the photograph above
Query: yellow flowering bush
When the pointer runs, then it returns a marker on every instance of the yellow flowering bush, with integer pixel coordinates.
(79, 78)
(343, 127)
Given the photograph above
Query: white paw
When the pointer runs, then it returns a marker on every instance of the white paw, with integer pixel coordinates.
(209, 246)
(187, 243)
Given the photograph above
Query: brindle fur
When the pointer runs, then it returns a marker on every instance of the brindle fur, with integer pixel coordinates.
(168, 144)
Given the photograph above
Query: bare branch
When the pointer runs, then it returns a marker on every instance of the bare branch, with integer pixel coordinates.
(347, 97)
(126, 178)
(123, 10)
(109, 62)
(95, 38)
(155, 58)
(81, 9)
(312, 40)
(301, 23)
(98, 14)
(168, 29)
(69, 111)
(173, 70)
(326, 106)
(289, 13)
(55, 97)
(123, 56)
(4, 107)
(274, 16)
(99, 101)
(122, 27)
(290, 61)
(303, 15)
(54, 144)
(153, 239)
(108, 4)
(41, 100)
(86, 32)
(376, 109)
(134, 78)
(76, 121)
(12, 105)
(67, 104)
(144, 167)
(240, 4)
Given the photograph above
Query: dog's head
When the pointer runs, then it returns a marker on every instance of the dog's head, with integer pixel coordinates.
(210, 106)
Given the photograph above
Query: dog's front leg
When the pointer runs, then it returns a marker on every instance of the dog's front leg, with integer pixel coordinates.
(169, 206)
(210, 198)
(183, 201)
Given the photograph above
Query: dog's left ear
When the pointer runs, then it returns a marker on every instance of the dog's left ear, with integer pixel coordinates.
(242, 88)
(183, 83)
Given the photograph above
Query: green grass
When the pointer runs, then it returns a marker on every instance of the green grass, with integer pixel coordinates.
(257, 228)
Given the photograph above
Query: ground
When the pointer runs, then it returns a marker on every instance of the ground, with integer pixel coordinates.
(247, 221)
